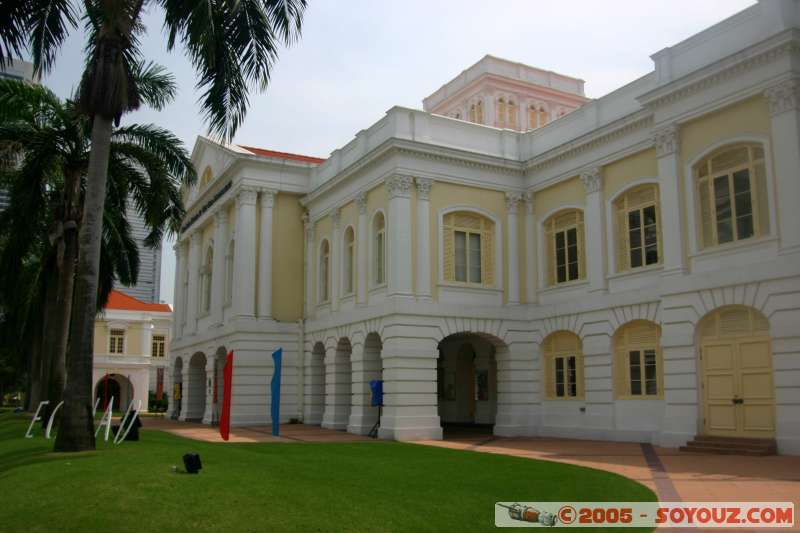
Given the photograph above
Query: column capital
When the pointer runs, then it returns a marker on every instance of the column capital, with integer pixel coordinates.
(528, 197)
(423, 188)
(592, 179)
(399, 186)
(336, 216)
(512, 199)
(783, 96)
(220, 217)
(195, 238)
(246, 196)
(268, 198)
(666, 140)
(361, 202)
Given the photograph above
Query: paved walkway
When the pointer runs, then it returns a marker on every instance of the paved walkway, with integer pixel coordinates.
(672, 474)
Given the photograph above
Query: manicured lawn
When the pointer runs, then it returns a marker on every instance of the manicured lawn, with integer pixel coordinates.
(360, 486)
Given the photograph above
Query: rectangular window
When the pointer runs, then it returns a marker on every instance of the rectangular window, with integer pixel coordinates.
(379, 258)
(643, 236)
(348, 269)
(159, 346)
(467, 261)
(116, 341)
(567, 255)
(722, 205)
(643, 372)
(566, 379)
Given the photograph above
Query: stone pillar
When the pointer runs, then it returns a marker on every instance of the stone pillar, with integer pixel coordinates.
(361, 249)
(185, 380)
(423, 273)
(594, 229)
(783, 101)
(366, 366)
(211, 361)
(398, 234)
(193, 288)
(218, 268)
(410, 409)
(337, 388)
(309, 227)
(244, 255)
(667, 142)
(518, 386)
(265, 255)
(179, 310)
(531, 266)
(314, 389)
(335, 259)
(512, 200)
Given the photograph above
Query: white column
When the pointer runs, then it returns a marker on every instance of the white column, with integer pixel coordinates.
(361, 249)
(399, 236)
(365, 366)
(335, 259)
(265, 255)
(178, 309)
(423, 278)
(193, 289)
(666, 141)
(309, 227)
(147, 336)
(208, 414)
(594, 229)
(784, 99)
(530, 250)
(518, 386)
(244, 255)
(512, 200)
(218, 268)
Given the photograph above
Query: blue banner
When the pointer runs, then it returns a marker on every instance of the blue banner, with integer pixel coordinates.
(277, 357)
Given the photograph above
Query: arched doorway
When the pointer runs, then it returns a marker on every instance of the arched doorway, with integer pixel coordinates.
(338, 387)
(736, 377)
(195, 393)
(467, 384)
(114, 386)
(177, 388)
(315, 386)
(366, 368)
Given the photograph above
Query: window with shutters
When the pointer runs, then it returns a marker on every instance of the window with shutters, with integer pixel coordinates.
(116, 341)
(468, 255)
(734, 321)
(158, 348)
(637, 228)
(565, 247)
(563, 366)
(512, 115)
(378, 249)
(731, 193)
(324, 271)
(637, 365)
(349, 260)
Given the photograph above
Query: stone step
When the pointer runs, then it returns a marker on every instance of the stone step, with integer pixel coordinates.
(731, 446)
(759, 452)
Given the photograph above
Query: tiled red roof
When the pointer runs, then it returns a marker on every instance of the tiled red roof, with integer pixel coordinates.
(121, 301)
(283, 155)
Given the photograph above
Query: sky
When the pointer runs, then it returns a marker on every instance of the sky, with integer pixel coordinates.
(358, 58)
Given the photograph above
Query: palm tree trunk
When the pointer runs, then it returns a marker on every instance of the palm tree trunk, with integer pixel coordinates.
(76, 432)
(34, 393)
(48, 336)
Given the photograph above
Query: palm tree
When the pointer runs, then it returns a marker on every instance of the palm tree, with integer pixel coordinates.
(50, 148)
(232, 45)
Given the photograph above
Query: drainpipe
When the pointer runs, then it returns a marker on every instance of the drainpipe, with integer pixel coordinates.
(301, 369)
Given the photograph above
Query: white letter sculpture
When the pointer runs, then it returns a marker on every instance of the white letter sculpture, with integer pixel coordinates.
(123, 431)
(36, 418)
(50, 422)
(106, 420)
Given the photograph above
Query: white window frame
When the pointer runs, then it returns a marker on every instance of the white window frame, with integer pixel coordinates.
(499, 274)
(611, 242)
(124, 330)
(152, 343)
(373, 283)
(327, 300)
(349, 251)
(544, 256)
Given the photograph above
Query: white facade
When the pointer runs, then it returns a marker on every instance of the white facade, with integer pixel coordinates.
(407, 322)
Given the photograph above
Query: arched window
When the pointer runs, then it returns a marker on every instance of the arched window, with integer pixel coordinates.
(533, 118)
(637, 228)
(479, 112)
(731, 191)
(349, 260)
(324, 271)
(468, 253)
(501, 112)
(205, 281)
(565, 249)
(512, 115)
(638, 366)
(563, 366)
(543, 118)
(473, 113)
(378, 249)
(229, 272)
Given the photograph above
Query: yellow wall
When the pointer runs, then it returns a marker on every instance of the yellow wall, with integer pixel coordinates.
(567, 192)
(133, 338)
(100, 337)
(617, 174)
(287, 258)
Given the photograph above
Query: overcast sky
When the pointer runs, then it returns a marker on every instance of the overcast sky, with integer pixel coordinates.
(358, 58)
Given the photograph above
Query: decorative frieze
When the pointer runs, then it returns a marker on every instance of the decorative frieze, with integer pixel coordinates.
(592, 180)
(423, 188)
(666, 140)
(399, 186)
(783, 96)
(512, 199)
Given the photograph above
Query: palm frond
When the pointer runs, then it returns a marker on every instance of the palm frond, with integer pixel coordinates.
(156, 85)
(50, 22)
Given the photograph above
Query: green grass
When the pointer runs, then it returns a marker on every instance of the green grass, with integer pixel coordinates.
(360, 486)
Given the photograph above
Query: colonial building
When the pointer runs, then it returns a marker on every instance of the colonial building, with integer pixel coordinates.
(131, 338)
(625, 268)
